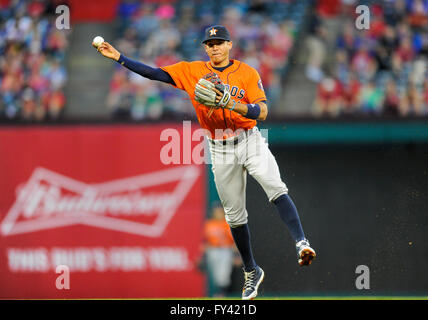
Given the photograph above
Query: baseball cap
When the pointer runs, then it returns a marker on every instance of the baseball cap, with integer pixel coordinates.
(216, 32)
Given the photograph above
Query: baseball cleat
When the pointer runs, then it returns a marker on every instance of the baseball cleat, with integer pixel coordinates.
(305, 254)
(253, 279)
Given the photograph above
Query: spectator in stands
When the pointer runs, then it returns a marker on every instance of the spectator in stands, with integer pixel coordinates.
(403, 59)
(412, 101)
(395, 12)
(350, 89)
(348, 40)
(147, 103)
(55, 103)
(390, 60)
(418, 14)
(28, 103)
(170, 32)
(128, 43)
(371, 99)
(377, 23)
(126, 10)
(56, 74)
(363, 64)
(118, 86)
(383, 65)
(145, 22)
(316, 43)
(328, 99)
(420, 43)
(341, 66)
(32, 67)
(391, 102)
(405, 52)
(389, 40)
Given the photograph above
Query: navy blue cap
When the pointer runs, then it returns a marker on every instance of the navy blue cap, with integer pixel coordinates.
(216, 32)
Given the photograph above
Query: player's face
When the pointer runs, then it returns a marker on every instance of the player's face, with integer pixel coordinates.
(218, 52)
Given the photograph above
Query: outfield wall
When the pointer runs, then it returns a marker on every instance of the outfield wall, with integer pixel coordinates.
(360, 205)
(93, 212)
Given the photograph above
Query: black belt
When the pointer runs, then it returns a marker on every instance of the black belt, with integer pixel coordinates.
(235, 140)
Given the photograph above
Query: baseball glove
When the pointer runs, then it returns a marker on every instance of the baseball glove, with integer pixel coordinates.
(205, 93)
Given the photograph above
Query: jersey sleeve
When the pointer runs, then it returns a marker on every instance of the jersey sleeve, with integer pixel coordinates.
(255, 91)
(180, 73)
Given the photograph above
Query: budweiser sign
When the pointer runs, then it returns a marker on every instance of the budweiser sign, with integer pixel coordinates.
(131, 205)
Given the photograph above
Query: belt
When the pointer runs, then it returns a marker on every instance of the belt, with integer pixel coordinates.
(235, 140)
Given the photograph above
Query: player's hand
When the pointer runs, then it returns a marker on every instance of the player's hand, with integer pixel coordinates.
(211, 91)
(107, 50)
(219, 97)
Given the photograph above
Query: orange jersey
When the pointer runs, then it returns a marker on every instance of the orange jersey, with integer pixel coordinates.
(217, 233)
(244, 84)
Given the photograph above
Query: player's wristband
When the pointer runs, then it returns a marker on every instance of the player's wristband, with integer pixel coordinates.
(234, 104)
(253, 111)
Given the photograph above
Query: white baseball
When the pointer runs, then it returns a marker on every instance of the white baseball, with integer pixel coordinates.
(98, 40)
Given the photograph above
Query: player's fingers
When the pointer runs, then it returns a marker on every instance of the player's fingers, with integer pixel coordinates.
(96, 47)
(101, 47)
(217, 98)
(218, 95)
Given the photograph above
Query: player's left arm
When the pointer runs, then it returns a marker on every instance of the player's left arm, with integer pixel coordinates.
(256, 111)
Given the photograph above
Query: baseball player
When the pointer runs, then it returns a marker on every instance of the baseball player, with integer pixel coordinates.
(228, 98)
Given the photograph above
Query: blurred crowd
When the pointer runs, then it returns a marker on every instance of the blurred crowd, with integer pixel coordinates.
(32, 67)
(381, 70)
(163, 33)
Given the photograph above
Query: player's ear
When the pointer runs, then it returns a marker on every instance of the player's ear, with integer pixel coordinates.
(230, 43)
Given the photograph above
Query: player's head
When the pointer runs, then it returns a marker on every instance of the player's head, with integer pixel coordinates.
(217, 43)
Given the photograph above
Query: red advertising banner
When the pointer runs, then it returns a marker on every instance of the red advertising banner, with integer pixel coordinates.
(93, 212)
(93, 11)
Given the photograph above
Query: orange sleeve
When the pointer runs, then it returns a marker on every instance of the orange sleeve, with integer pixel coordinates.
(180, 73)
(254, 90)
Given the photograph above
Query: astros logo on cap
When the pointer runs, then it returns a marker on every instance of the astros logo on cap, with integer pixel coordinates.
(213, 32)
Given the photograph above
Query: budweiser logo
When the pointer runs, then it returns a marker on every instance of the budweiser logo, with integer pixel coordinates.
(50, 200)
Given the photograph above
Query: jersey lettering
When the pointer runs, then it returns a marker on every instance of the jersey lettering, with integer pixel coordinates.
(242, 81)
(241, 94)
